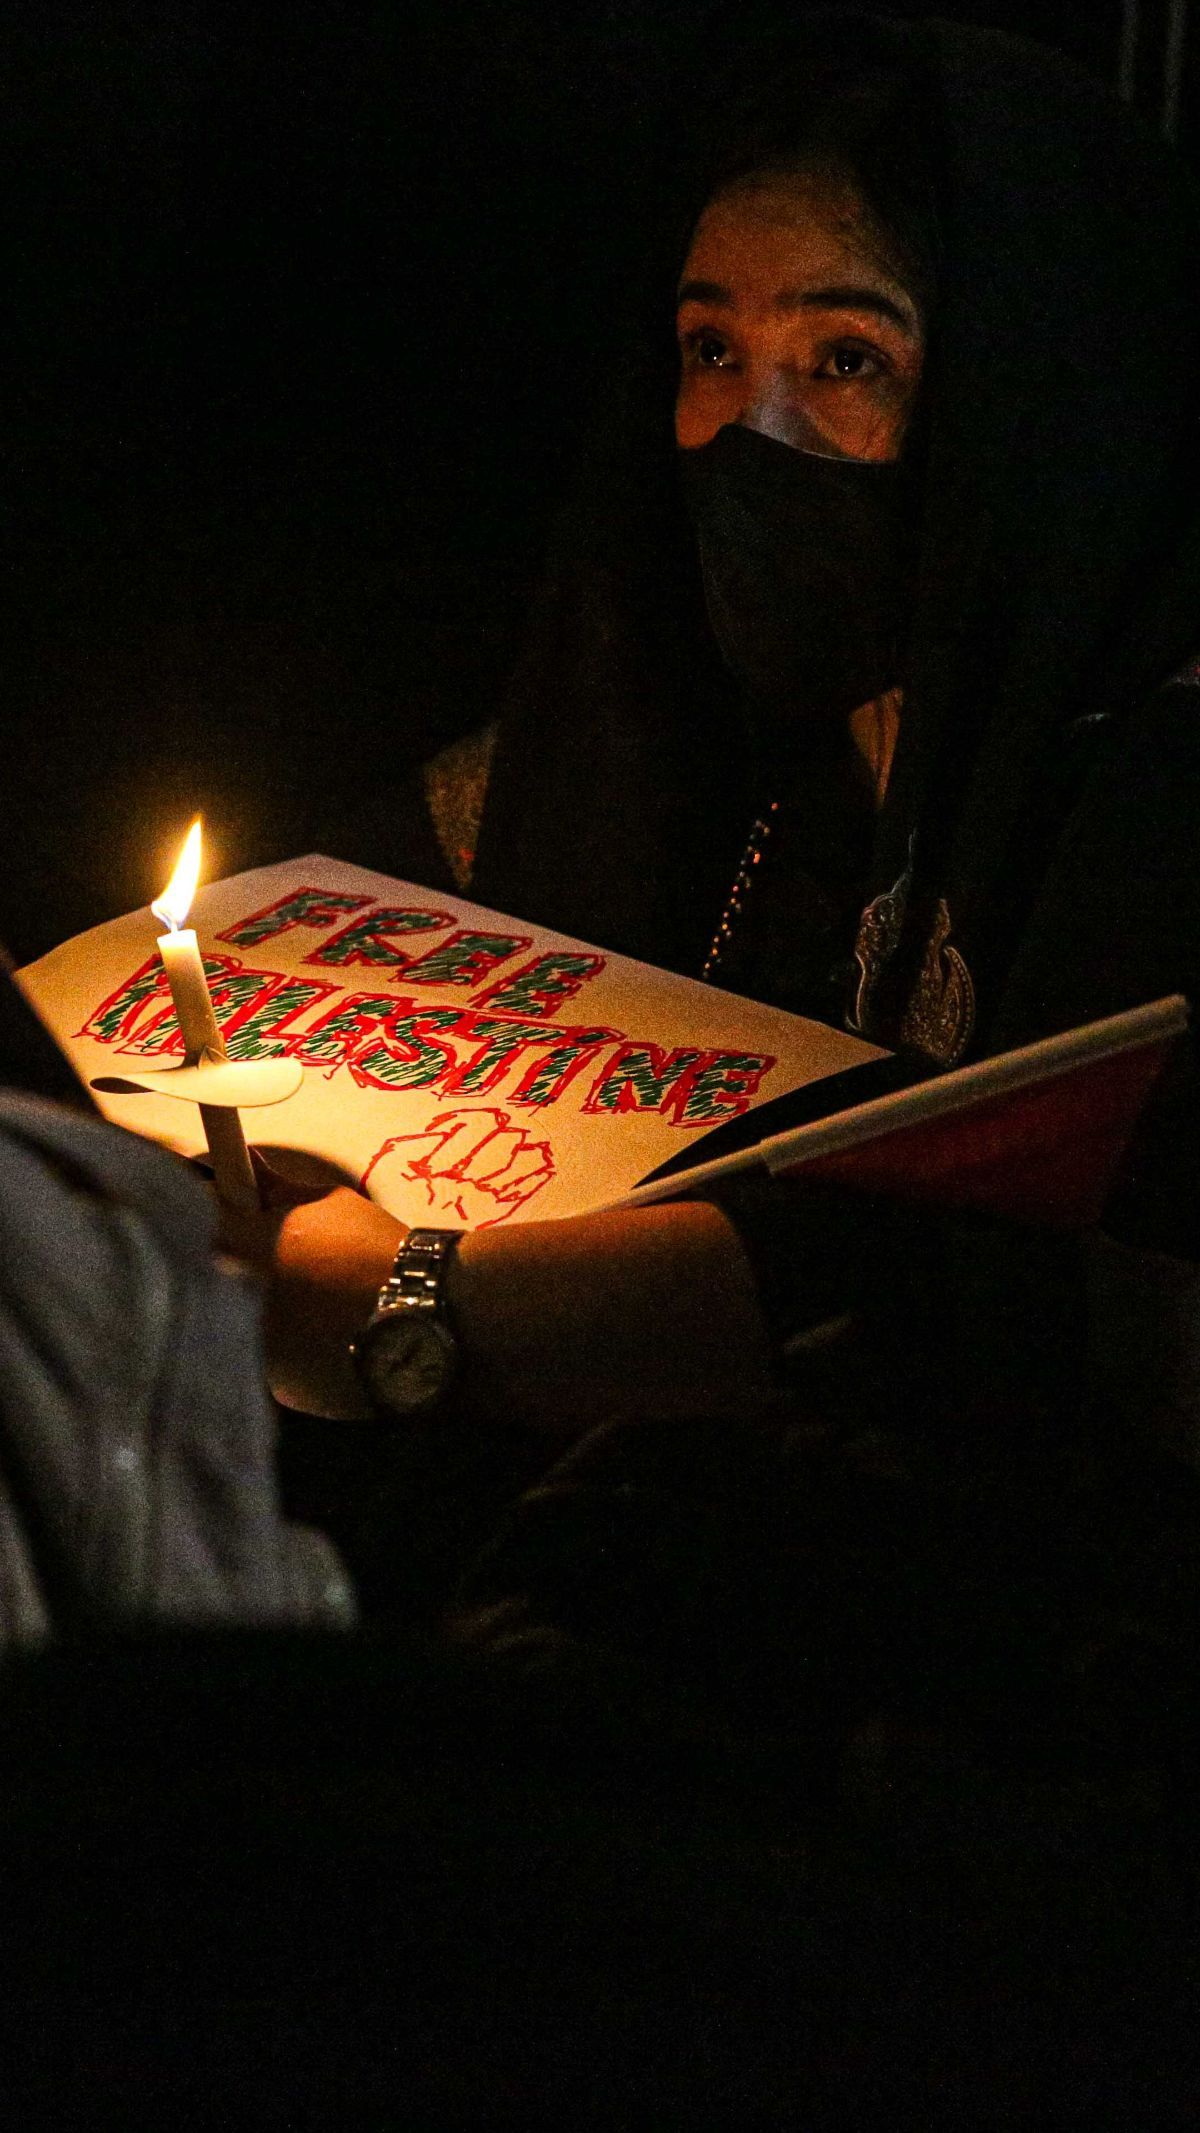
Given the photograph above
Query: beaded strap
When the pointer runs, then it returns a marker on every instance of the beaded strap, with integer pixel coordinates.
(752, 856)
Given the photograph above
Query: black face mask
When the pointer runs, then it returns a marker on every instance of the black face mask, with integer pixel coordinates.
(803, 565)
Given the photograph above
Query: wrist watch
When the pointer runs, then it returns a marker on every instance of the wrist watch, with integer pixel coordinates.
(406, 1355)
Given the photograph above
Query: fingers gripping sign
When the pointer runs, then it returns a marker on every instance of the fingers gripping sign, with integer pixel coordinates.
(473, 1166)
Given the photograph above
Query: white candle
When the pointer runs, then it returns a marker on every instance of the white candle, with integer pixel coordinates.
(233, 1171)
(189, 991)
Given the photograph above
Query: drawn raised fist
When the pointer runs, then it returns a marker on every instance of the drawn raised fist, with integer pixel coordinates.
(474, 1167)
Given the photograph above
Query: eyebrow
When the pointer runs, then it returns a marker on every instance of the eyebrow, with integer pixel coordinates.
(844, 297)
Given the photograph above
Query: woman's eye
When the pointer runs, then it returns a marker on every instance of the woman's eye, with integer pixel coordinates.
(708, 350)
(850, 360)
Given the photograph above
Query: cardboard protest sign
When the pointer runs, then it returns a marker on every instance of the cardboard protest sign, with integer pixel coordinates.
(465, 1067)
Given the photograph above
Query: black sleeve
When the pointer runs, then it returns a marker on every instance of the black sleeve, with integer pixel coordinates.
(971, 1302)
(1116, 923)
(954, 1310)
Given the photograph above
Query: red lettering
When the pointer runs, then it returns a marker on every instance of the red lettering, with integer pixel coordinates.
(299, 907)
(369, 939)
(502, 1041)
(547, 1078)
(463, 959)
(643, 1077)
(689, 1087)
(542, 984)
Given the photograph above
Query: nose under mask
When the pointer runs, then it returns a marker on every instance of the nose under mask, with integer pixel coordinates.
(804, 565)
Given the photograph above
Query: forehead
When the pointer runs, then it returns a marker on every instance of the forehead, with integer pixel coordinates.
(785, 231)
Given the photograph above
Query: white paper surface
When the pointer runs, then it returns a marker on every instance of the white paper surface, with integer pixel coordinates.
(467, 1067)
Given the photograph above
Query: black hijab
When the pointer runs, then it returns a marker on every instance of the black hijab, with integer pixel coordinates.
(1057, 588)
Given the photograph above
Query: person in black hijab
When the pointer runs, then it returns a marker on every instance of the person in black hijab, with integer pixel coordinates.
(916, 1588)
(903, 602)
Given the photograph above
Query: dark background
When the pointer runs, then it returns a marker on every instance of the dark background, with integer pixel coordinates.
(305, 308)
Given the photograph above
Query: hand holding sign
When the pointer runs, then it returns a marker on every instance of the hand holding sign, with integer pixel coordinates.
(471, 1166)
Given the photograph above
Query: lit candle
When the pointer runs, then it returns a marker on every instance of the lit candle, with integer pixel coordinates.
(180, 952)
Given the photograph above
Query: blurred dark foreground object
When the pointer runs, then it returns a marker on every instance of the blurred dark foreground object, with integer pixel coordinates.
(381, 1883)
(137, 1481)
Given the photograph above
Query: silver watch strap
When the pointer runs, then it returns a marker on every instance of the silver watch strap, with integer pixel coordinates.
(418, 1271)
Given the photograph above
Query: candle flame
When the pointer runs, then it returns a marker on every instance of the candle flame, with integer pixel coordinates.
(173, 905)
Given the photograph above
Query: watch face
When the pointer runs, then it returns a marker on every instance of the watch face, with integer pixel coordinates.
(407, 1359)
